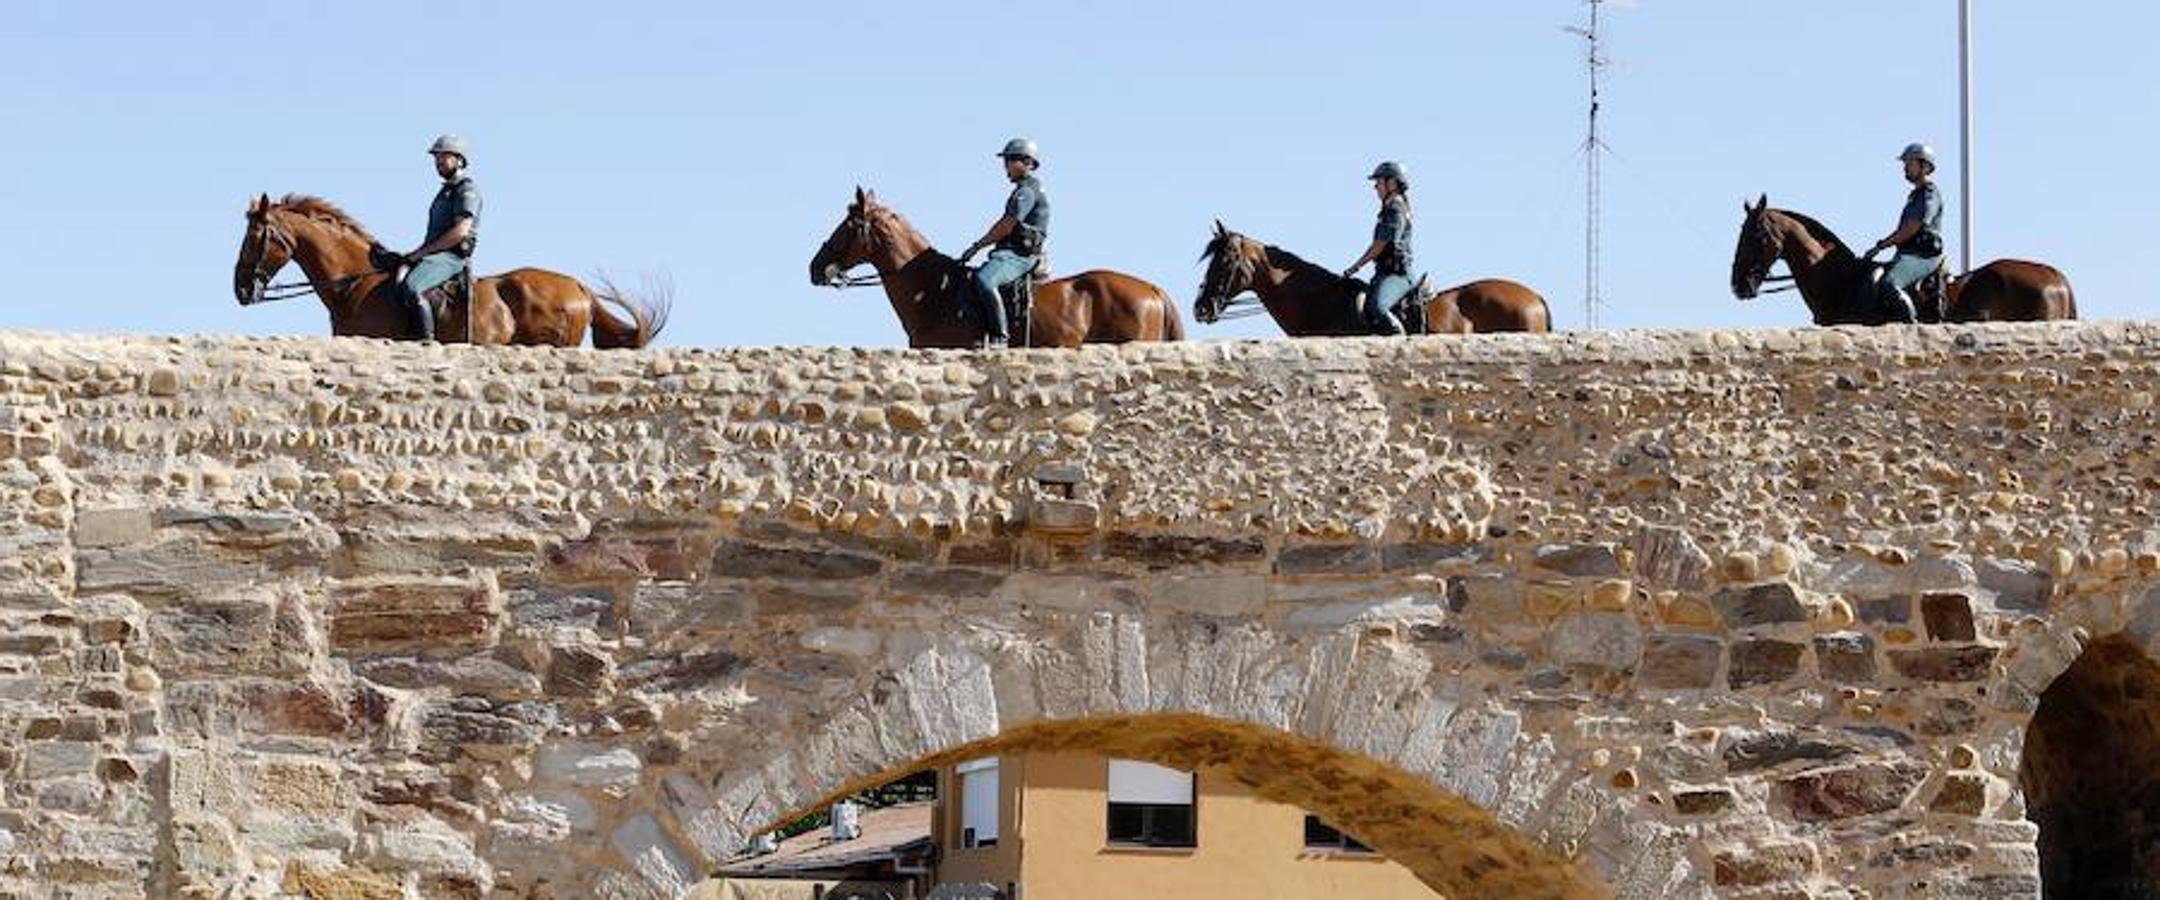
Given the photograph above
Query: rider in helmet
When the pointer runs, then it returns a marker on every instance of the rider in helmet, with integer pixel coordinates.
(452, 230)
(1390, 250)
(1018, 238)
(1918, 238)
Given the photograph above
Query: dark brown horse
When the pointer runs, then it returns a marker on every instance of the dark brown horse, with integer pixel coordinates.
(1307, 300)
(521, 306)
(1837, 284)
(929, 290)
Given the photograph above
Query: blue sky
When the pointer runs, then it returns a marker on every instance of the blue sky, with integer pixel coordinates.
(720, 141)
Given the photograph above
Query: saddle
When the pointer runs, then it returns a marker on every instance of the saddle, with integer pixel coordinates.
(1018, 297)
(1019, 302)
(1929, 298)
(441, 298)
(1410, 310)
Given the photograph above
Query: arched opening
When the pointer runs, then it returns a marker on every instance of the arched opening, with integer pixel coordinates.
(1449, 844)
(2091, 752)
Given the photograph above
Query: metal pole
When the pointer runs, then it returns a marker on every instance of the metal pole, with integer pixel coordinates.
(1965, 141)
(1593, 237)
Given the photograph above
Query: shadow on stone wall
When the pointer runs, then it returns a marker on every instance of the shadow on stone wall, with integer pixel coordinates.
(2091, 754)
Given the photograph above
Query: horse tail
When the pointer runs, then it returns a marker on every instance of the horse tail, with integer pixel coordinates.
(648, 316)
(1547, 307)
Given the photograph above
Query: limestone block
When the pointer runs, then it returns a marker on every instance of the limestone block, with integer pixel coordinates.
(1850, 791)
(1605, 641)
(1763, 604)
(1579, 560)
(1680, 662)
(393, 615)
(1753, 663)
(1846, 657)
(611, 770)
(742, 559)
(1944, 664)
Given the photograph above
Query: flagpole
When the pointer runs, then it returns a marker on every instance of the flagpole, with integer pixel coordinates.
(1965, 136)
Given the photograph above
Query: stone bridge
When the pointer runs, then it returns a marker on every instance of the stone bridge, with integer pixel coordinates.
(1780, 614)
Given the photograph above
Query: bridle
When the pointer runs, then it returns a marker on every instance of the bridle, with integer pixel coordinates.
(263, 291)
(1243, 304)
(1766, 283)
(862, 235)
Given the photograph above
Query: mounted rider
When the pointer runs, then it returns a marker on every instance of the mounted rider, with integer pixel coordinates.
(1018, 238)
(1918, 238)
(1389, 252)
(452, 231)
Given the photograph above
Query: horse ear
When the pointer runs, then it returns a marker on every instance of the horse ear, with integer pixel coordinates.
(859, 195)
(1762, 203)
(1219, 229)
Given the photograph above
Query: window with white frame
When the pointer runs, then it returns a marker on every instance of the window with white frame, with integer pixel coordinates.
(1319, 835)
(1151, 806)
(978, 803)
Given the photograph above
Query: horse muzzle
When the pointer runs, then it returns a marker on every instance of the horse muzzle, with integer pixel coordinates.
(825, 275)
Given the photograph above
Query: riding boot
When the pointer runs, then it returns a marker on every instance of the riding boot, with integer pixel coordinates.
(1897, 310)
(1412, 316)
(992, 310)
(422, 312)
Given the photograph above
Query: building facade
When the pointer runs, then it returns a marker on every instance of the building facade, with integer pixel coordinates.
(1053, 826)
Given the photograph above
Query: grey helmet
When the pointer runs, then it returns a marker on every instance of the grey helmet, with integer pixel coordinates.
(1390, 169)
(1021, 148)
(1921, 152)
(449, 143)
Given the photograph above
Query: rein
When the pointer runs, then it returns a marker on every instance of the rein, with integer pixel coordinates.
(1784, 283)
(855, 281)
(1242, 307)
(272, 293)
(266, 292)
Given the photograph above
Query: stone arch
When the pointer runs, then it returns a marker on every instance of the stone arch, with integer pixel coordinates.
(2086, 770)
(1453, 787)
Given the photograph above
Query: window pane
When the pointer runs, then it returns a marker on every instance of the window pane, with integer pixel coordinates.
(1321, 834)
(1173, 826)
(1128, 824)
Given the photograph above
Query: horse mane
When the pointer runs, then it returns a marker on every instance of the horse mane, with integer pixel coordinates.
(1277, 256)
(884, 216)
(316, 208)
(1815, 229)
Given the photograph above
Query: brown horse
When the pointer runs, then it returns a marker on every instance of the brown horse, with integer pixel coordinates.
(521, 306)
(930, 291)
(1838, 285)
(1310, 301)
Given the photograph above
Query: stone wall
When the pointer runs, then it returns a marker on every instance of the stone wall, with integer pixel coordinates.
(1635, 615)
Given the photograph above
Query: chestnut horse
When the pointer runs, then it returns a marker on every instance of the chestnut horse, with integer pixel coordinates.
(1310, 301)
(521, 306)
(1838, 285)
(930, 291)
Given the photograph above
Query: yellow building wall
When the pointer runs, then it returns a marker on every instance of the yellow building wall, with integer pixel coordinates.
(1248, 847)
(999, 865)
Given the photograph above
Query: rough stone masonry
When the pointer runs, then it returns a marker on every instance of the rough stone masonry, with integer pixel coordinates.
(1642, 615)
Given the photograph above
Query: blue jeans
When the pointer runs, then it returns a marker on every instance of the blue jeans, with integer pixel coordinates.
(1387, 290)
(1907, 271)
(1003, 268)
(429, 273)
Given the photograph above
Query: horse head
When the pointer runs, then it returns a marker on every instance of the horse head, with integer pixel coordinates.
(850, 244)
(1761, 244)
(1231, 260)
(264, 249)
